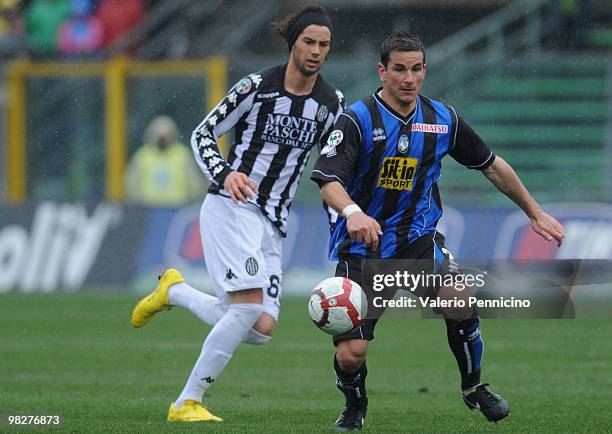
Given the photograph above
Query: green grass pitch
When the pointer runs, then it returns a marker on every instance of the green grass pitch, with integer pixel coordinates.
(76, 355)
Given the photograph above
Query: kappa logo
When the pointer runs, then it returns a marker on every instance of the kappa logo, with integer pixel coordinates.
(251, 266)
(322, 113)
(244, 86)
(378, 134)
(340, 95)
(430, 128)
(229, 275)
(403, 144)
(268, 95)
(256, 79)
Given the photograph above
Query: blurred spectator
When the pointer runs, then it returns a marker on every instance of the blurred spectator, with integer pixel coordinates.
(571, 19)
(163, 172)
(82, 35)
(11, 28)
(43, 20)
(119, 17)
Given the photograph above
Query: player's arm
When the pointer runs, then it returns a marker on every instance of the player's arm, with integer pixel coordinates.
(335, 165)
(332, 119)
(471, 151)
(220, 120)
(360, 226)
(505, 179)
(332, 214)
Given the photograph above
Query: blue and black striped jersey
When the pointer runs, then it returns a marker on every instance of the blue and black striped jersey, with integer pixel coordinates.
(390, 166)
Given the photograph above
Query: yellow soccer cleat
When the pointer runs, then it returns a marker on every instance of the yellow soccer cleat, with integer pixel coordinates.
(191, 411)
(157, 300)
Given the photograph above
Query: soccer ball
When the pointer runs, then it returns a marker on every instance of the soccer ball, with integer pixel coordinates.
(337, 305)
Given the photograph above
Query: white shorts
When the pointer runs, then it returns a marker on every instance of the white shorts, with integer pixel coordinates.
(242, 250)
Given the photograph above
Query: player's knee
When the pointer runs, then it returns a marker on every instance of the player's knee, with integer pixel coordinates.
(265, 325)
(246, 313)
(349, 362)
(351, 356)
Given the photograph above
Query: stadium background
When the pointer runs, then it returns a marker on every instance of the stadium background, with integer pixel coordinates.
(536, 89)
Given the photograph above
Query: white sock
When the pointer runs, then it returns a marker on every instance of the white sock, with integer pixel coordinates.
(218, 348)
(253, 337)
(207, 308)
(204, 306)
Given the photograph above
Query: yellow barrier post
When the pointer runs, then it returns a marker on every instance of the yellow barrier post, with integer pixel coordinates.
(115, 73)
(15, 156)
(116, 116)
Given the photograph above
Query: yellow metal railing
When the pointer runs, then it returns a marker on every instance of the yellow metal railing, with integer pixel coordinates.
(115, 72)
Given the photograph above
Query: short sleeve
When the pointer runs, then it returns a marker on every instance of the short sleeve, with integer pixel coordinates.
(469, 149)
(340, 153)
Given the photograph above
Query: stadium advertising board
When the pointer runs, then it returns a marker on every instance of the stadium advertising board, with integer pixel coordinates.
(588, 234)
(49, 246)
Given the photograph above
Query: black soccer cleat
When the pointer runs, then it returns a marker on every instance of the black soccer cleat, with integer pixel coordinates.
(493, 406)
(351, 419)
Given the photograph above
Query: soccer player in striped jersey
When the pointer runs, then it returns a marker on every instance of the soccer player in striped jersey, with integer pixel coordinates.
(380, 170)
(279, 115)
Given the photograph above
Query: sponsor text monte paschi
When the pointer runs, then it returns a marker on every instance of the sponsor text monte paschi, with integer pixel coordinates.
(290, 130)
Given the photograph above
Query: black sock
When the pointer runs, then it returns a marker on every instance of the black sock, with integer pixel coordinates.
(352, 385)
(466, 344)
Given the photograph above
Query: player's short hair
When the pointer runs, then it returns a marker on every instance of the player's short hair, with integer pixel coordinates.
(400, 41)
(282, 26)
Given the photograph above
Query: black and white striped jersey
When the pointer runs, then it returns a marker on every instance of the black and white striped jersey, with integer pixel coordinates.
(275, 132)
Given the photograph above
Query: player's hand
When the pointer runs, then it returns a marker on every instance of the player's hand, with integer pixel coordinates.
(363, 228)
(239, 187)
(548, 227)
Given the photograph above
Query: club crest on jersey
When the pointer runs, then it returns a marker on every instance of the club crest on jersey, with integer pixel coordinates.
(378, 134)
(334, 139)
(251, 266)
(244, 86)
(322, 113)
(403, 144)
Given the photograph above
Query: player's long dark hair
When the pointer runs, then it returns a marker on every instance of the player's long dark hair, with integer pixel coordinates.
(281, 26)
(400, 41)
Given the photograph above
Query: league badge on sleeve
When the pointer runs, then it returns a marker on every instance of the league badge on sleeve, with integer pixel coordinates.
(244, 86)
(334, 139)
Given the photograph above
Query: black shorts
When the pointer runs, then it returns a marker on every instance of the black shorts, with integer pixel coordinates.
(426, 248)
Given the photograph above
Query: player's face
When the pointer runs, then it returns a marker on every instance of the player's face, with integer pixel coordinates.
(310, 49)
(403, 77)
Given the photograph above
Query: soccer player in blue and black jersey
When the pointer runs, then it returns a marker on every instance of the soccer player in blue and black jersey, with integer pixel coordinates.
(379, 171)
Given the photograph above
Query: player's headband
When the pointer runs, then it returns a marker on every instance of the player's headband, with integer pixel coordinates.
(304, 20)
